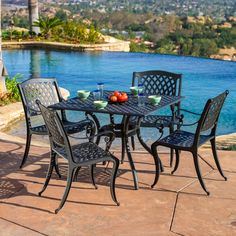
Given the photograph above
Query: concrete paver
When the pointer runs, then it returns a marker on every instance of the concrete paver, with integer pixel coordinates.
(90, 211)
(199, 215)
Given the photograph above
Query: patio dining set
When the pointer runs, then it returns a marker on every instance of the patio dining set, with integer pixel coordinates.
(41, 97)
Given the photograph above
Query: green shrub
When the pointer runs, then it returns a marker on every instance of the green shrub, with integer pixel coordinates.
(230, 148)
(12, 94)
(93, 35)
(135, 47)
(5, 35)
(11, 85)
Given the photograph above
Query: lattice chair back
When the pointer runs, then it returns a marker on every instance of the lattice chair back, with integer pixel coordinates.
(43, 89)
(57, 135)
(210, 115)
(159, 82)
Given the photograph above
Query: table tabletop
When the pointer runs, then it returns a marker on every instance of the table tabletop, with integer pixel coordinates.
(129, 108)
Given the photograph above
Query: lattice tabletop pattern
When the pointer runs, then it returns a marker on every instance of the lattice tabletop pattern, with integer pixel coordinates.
(129, 108)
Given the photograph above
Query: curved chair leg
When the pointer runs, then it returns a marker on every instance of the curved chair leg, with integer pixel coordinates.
(113, 180)
(132, 142)
(57, 166)
(171, 130)
(122, 149)
(49, 173)
(76, 173)
(177, 161)
(92, 175)
(213, 146)
(67, 190)
(147, 148)
(196, 164)
(98, 140)
(171, 156)
(27, 147)
(157, 165)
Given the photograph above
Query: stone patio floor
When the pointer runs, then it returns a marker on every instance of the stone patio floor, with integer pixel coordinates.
(176, 206)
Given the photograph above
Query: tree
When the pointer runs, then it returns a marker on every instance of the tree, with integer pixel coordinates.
(227, 37)
(33, 15)
(61, 15)
(74, 31)
(46, 24)
(93, 36)
(165, 46)
(134, 47)
(204, 47)
(186, 47)
(208, 47)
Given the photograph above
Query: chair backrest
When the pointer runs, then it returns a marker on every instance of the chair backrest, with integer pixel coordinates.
(45, 90)
(57, 135)
(210, 115)
(159, 82)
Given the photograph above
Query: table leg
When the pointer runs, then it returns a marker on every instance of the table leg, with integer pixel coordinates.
(145, 146)
(133, 170)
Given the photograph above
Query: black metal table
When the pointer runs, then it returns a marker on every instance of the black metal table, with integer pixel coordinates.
(127, 109)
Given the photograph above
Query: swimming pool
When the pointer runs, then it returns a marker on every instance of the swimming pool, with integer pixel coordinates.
(202, 78)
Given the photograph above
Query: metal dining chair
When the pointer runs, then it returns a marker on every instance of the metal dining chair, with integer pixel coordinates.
(156, 82)
(181, 140)
(77, 156)
(47, 91)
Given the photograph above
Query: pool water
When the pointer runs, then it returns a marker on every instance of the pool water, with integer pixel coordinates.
(202, 78)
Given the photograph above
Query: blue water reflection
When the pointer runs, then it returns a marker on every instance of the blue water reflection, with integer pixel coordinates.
(202, 78)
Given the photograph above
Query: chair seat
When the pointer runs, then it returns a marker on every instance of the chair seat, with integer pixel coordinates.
(70, 127)
(182, 139)
(155, 121)
(86, 152)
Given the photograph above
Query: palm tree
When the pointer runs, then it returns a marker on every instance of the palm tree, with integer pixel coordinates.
(46, 24)
(33, 14)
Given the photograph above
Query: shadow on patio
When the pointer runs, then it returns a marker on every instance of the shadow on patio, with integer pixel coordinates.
(177, 205)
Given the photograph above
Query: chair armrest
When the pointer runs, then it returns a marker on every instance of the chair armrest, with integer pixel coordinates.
(190, 112)
(105, 133)
(109, 133)
(181, 117)
(161, 120)
(109, 137)
(33, 112)
(190, 124)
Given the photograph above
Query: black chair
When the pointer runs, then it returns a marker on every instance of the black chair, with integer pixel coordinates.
(47, 91)
(159, 83)
(181, 140)
(84, 154)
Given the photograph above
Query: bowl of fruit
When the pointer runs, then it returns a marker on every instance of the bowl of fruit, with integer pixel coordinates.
(118, 97)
